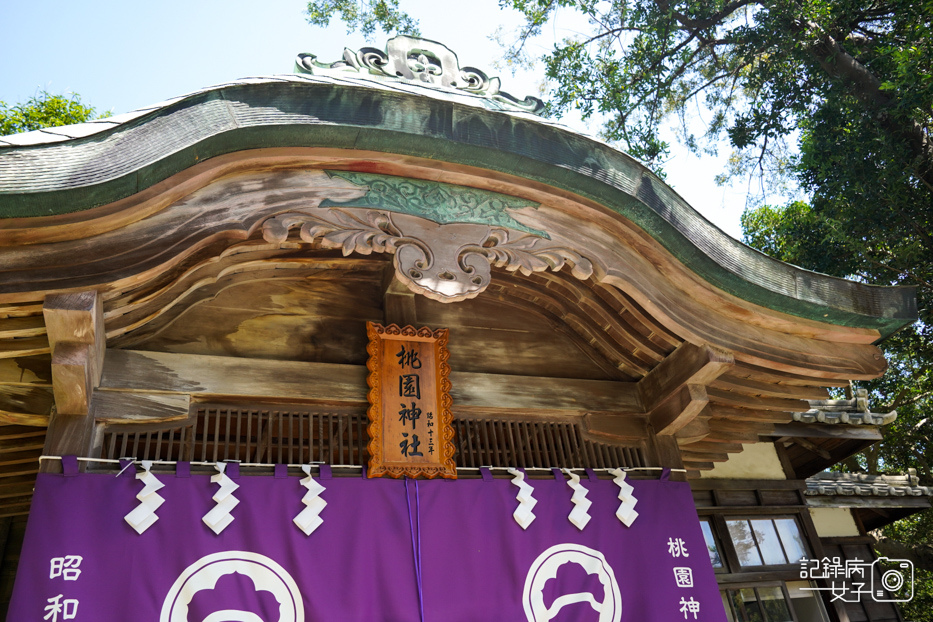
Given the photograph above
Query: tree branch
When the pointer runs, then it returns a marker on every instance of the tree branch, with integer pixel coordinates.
(920, 554)
(709, 22)
(866, 87)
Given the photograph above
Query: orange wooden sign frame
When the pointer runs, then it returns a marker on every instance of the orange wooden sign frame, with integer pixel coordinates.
(411, 430)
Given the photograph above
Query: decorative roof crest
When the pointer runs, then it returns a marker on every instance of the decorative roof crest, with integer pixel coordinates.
(421, 61)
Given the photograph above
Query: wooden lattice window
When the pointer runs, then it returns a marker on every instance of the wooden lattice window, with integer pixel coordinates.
(530, 444)
(275, 435)
(294, 435)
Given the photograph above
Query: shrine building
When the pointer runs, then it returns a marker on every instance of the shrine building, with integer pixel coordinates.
(376, 341)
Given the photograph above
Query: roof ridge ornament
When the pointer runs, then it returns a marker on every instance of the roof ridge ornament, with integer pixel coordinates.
(423, 62)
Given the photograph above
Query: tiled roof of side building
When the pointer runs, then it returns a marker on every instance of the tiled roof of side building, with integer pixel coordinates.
(862, 484)
(852, 411)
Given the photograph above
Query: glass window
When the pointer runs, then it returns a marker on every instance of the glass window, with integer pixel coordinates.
(744, 542)
(805, 603)
(725, 603)
(711, 547)
(774, 605)
(791, 538)
(746, 605)
(766, 541)
(768, 603)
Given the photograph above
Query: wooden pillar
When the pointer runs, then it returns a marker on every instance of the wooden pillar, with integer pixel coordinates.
(663, 451)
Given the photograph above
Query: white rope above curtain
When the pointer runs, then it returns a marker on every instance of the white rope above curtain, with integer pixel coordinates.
(609, 471)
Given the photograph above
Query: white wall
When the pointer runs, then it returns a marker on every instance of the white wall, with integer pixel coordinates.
(758, 461)
(834, 522)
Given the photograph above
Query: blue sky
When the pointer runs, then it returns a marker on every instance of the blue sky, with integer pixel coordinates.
(121, 56)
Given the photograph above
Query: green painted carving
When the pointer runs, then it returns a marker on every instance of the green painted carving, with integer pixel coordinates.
(440, 202)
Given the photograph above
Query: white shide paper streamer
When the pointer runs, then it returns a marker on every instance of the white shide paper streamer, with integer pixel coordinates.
(626, 512)
(309, 518)
(523, 514)
(144, 515)
(219, 516)
(579, 514)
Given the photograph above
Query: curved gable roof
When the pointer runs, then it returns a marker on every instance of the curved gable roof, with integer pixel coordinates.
(50, 174)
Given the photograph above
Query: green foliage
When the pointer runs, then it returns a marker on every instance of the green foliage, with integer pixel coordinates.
(792, 234)
(364, 15)
(759, 68)
(44, 110)
(916, 529)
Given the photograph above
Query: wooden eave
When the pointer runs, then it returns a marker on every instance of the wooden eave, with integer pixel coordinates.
(811, 448)
(243, 264)
(421, 135)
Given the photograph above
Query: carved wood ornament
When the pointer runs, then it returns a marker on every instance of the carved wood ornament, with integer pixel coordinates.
(447, 263)
(410, 421)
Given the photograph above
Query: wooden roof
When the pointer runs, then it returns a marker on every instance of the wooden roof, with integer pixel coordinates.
(234, 242)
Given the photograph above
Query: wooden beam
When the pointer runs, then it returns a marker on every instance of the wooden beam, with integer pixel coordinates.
(20, 431)
(18, 418)
(75, 327)
(533, 394)
(398, 306)
(786, 463)
(674, 392)
(676, 412)
(825, 430)
(713, 448)
(728, 382)
(691, 457)
(615, 427)
(696, 430)
(11, 445)
(688, 364)
(719, 436)
(731, 413)
(812, 447)
(19, 486)
(115, 407)
(20, 469)
(741, 400)
(77, 318)
(72, 378)
(27, 346)
(749, 484)
(28, 400)
(324, 383)
(15, 510)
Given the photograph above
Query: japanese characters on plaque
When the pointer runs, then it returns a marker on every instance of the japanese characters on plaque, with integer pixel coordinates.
(410, 423)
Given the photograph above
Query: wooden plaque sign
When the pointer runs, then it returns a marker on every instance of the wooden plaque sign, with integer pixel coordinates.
(410, 424)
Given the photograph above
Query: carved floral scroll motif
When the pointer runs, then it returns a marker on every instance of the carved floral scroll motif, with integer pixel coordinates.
(444, 262)
(423, 61)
